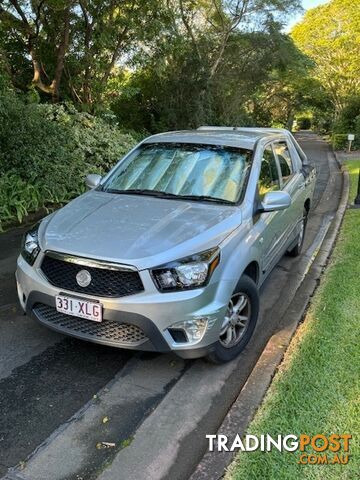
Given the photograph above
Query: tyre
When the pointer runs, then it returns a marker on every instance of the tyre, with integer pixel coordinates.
(239, 322)
(294, 252)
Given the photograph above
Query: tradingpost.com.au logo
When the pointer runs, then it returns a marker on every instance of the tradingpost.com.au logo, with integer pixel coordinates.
(317, 449)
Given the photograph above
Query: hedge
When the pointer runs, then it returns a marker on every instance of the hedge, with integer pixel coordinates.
(340, 141)
(47, 150)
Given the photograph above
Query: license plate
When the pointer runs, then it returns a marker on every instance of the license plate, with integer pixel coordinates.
(79, 308)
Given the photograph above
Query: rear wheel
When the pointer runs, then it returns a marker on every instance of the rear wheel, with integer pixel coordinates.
(300, 238)
(239, 322)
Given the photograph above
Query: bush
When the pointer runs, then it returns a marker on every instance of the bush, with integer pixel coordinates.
(339, 141)
(47, 150)
(304, 123)
(347, 122)
(17, 197)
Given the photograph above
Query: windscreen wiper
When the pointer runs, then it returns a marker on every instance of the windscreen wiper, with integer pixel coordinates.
(140, 191)
(205, 198)
(161, 194)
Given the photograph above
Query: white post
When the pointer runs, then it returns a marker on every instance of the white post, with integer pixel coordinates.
(351, 137)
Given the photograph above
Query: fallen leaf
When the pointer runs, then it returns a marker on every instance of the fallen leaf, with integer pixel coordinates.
(109, 444)
(101, 445)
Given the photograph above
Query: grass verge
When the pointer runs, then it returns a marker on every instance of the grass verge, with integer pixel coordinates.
(316, 389)
(353, 167)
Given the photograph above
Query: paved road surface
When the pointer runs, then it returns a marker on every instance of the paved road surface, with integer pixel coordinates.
(46, 378)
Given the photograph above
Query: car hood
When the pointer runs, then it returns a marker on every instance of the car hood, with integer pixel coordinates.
(137, 230)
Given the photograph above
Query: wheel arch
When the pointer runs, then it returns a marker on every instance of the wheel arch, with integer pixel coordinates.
(253, 271)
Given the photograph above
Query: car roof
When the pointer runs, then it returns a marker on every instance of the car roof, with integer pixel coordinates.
(227, 136)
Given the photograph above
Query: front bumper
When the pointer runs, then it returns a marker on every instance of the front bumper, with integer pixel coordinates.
(150, 312)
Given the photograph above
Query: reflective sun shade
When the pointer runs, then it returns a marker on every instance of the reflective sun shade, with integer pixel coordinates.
(184, 169)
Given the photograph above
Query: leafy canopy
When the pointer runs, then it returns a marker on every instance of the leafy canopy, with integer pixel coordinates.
(330, 36)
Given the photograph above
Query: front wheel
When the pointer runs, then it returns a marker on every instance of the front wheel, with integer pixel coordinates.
(239, 322)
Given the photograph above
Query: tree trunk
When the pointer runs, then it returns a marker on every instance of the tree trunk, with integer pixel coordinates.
(64, 42)
(36, 81)
(290, 120)
(86, 95)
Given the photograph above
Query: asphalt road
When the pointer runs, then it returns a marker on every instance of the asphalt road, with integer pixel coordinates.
(46, 378)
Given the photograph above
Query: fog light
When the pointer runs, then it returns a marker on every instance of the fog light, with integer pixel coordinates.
(194, 329)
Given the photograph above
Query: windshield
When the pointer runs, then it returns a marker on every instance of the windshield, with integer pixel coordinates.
(199, 172)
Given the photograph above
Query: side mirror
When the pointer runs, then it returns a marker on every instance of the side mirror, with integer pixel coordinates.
(93, 180)
(274, 201)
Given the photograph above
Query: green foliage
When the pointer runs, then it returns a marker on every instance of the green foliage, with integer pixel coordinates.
(27, 139)
(287, 90)
(17, 198)
(5, 80)
(304, 123)
(182, 52)
(348, 121)
(92, 142)
(262, 80)
(150, 66)
(67, 49)
(329, 34)
(339, 141)
(47, 150)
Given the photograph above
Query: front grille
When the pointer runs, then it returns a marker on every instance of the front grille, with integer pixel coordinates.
(104, 282)
(107, 331)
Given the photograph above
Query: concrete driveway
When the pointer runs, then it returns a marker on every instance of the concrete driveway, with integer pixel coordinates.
(67, 396)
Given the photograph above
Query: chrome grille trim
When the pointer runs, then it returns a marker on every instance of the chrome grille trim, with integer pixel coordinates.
(90, 262)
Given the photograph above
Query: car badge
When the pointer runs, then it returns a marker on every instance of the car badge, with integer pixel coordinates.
(83, 278)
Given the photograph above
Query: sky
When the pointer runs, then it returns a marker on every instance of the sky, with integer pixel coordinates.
(306, 5)
(312, 3)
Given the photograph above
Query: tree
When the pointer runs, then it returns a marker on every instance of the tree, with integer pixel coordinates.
(204, 65)
(330, 36)
(72, 45)
(23, 22)
(157, 63)
(348, 120)
(288, 90)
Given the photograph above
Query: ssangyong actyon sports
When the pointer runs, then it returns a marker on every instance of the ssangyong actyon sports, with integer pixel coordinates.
(167, 251)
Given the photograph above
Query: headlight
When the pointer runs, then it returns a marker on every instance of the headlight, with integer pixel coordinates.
(30, 246)
(187, 273)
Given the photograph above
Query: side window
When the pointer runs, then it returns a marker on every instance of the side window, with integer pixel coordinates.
(269, 176)
(284, 158)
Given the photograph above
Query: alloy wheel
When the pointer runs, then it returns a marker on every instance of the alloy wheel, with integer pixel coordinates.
(236, 320)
